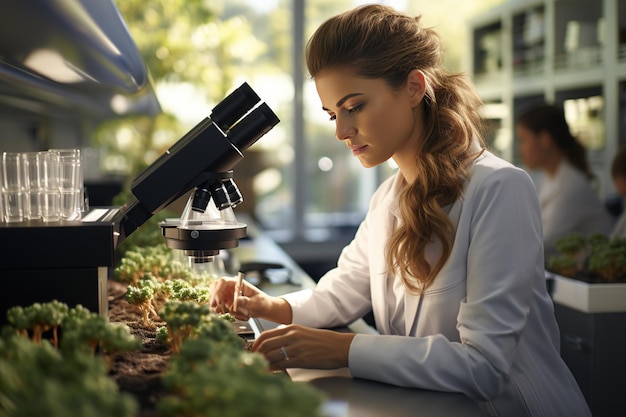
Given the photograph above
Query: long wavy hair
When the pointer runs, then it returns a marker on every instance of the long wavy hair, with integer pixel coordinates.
(378, 42)
(551, 118)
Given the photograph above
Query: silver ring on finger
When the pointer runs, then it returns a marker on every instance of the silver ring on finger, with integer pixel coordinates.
(284, 352)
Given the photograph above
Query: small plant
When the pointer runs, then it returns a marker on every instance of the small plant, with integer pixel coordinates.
(153, 277)
(138, 261)
(183, 290)
(159, 261)
(187, 319)
(199, 295)
(37, 379)
(142, 296)
(162, 336)
(563, 265)
(38, 318)
(572, 244)
(205, 379)
(596, 258)
(83, 330)
(88, 331)
(150, 294)
(608, 260)
(62, 376)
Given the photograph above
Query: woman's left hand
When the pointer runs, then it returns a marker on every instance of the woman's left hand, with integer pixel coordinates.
(296, 346)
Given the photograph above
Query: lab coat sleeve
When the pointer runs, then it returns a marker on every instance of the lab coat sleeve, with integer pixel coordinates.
(504, 255)
(565, 216)
(576, 208)
(619, 231)
(343, 294)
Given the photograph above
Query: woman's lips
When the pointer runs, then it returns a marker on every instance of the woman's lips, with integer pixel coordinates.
(357, 150)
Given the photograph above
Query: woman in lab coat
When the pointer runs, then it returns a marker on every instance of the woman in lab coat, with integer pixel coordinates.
(569, 202)
(449, 256)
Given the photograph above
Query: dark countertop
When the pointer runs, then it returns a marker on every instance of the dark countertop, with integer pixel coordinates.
(347, 396)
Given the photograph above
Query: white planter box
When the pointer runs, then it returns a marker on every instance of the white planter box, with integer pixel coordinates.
(588, 298)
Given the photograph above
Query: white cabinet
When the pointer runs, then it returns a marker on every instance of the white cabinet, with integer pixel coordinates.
(570, 52)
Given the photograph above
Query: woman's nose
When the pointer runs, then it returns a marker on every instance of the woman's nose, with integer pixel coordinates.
(344, 130)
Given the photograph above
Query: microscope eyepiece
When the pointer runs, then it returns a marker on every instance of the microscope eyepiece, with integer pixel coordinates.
(226, 113)
(250, 129)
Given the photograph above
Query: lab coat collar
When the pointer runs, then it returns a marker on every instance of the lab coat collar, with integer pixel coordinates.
(390, 201)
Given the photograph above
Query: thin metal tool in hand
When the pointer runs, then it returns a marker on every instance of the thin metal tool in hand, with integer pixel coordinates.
(238, 290)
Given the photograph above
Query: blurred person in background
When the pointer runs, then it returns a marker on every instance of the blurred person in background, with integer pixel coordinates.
(569, 201)
(450, 254)
(618, 174)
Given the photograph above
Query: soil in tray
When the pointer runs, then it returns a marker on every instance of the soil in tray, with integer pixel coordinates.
(138, 372)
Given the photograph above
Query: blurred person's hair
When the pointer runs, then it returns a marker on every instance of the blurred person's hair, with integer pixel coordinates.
(551, 119)
(618, 165)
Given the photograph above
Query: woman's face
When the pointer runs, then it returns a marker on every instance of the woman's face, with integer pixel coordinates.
(374, 121)
(620, 184)
(529, 146)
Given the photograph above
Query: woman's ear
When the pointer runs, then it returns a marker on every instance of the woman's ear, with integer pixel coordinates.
(416, 87)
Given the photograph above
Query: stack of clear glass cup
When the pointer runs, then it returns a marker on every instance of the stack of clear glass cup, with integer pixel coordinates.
(46, 186)
(12, 187)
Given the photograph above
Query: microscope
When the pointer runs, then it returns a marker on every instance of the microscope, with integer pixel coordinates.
(69, 261)
(202, 161)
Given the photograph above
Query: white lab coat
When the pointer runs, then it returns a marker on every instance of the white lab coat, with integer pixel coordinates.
(570, 204)
(619, 230)
(485, 328)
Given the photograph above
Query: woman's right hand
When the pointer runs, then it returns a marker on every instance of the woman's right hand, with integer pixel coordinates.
(251, 302)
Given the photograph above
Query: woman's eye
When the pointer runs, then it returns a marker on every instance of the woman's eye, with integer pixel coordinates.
(355, 108)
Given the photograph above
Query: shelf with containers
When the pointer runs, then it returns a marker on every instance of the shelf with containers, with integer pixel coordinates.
(568, 52)
(579, 34)
(487, 47)
(529, 39)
